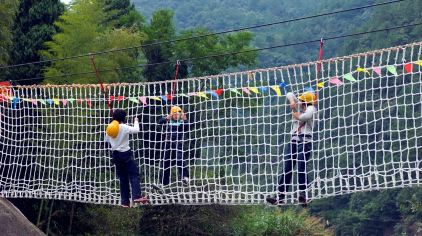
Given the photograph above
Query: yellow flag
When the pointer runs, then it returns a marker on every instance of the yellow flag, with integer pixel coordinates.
(155, 98)
(254, 89)
(362, 70)
(276, 88)
(202, 95)
(419, 62)
(320, 85)
(56, 101)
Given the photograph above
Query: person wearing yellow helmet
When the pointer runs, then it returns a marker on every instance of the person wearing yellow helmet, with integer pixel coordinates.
(176, 130)
(117, 134)
(303, 111)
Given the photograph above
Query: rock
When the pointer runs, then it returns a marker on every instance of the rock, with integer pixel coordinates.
(13, 222)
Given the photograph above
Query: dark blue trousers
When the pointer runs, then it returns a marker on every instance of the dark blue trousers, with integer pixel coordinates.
(173, 154)
(299, 153)
(128, 172)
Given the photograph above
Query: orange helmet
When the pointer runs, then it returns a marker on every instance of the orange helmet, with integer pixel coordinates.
(308, 97)
(113, 129)
(175, 109)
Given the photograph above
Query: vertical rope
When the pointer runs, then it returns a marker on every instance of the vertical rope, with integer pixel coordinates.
(106, 94)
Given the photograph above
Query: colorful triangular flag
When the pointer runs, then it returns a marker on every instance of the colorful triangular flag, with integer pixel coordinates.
(201, 94)
(254, 89)
(213, 93)
(88, 102)
(419, 63)
(134, 100)
(277, 90)
(235, 91)
(143, 100)
(192, 94)
(392, 70)
(320, 85)
(263, 89)
(34, 102)
(362, 70)
(155, 98)
(164, 98)
(219, 92)
(246, 90)
(183, 95)
(56, 101)
(42, 101)
(64, 101)
(50, 101)
(336, 81)
(349, 77)
(408, 67)
(15, 102)
(377, 70)
(309, 89)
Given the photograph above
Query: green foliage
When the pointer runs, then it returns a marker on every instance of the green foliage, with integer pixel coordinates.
(34, 25)
(106, 220)
(121, 13)
(161, 28)
(273, 221)
(226, 14)
(82, 31)
(7, 12)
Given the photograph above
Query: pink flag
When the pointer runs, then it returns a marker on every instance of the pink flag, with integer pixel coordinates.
(377, 70)
(143, 100)
(336, 81)
(246, 90)
(64, 101)
(89, 102)
(34, 102)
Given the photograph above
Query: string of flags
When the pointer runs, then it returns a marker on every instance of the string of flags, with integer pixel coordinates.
(6, 93)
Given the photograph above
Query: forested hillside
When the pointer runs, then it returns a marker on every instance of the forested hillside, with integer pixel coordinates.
(218, 15)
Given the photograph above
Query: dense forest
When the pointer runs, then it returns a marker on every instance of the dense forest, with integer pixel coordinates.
(36, 30)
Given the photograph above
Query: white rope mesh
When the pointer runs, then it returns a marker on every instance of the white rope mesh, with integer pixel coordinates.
(367, 134)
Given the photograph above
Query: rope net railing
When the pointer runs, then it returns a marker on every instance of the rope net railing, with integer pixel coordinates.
(367, 133)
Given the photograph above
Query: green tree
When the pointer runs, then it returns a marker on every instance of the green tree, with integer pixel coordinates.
(121, 13)
(82, 30)
(34, 25)
(161, 28)
(7, 12)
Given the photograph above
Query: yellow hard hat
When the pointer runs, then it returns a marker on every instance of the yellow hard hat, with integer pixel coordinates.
(175, 109)
(308, 97)
(113, 129)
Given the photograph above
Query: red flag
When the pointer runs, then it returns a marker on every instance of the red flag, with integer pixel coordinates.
(408, 68)
(120, 98)
(219, 92)
(5, 91)
(169, 97)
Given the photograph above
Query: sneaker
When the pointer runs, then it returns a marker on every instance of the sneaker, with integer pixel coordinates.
(158, 187)
(274, 201)
(141, 200)
(185, 180)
